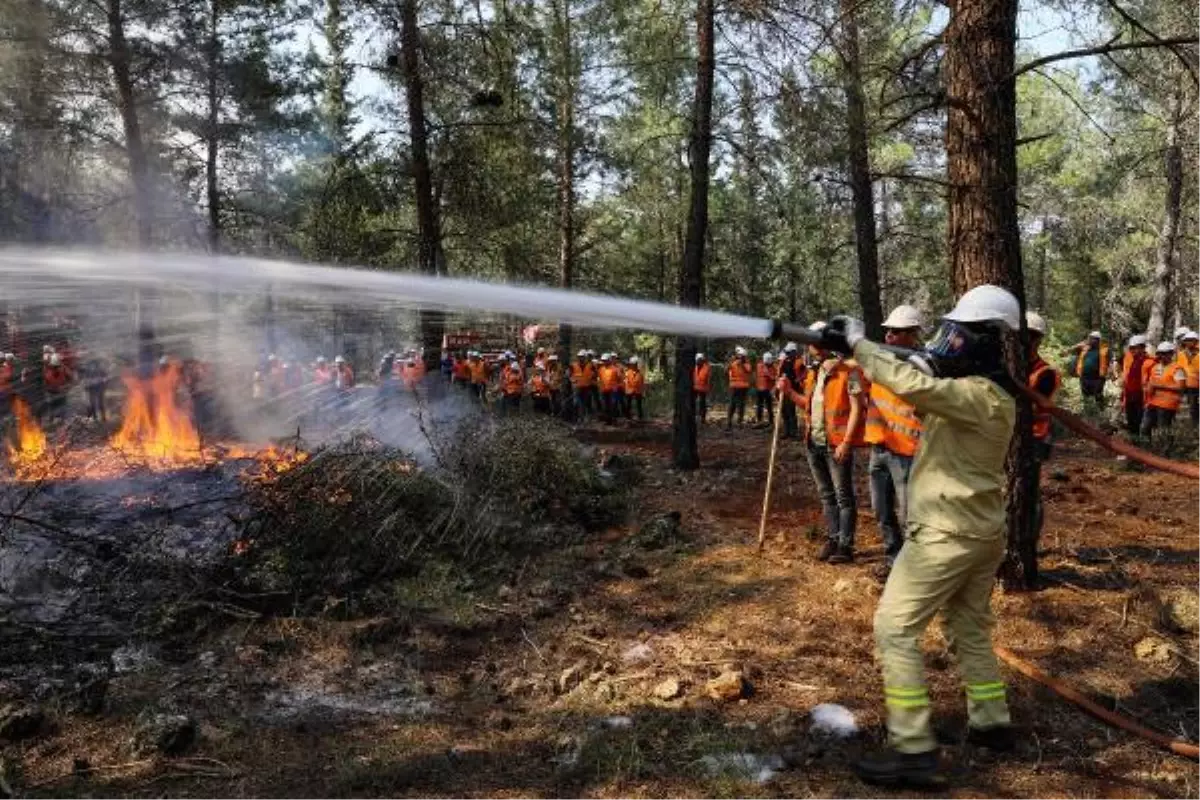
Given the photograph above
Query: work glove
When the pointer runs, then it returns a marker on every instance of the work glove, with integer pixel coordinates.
(842, 333)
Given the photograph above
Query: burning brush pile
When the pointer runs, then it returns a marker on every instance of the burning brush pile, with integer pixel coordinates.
(353, 516)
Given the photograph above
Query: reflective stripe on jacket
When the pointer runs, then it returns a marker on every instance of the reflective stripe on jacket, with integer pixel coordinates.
(892, 423)
(1165, 387)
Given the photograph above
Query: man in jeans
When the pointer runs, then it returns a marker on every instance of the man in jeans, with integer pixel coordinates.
(834, 402)
(893, 431)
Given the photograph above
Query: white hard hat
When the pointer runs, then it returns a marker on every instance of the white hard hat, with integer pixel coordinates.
(1137, 340)
(164, 361)
(768, 358)
(320, 359)
(1094, 335)
(552, 357)
(902, 318)
(1035, 322)
(699, 356)
(9, 356)
(1182, 330)
(55, 360)
(47, 348)
(987, 303)
(739, 351)
(1191, 336)
(633, 360)
(582, 354)
(514, 365)
(605, 357)
(791, 347)
(339, 360)
(1165, 346)
(819, 325)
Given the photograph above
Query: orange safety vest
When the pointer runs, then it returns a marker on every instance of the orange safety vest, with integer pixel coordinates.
(322, 375)
(414, 374)
(541, 386)
(1165, 388)
(610, 378)
(55, 378)
(891, 422)
(1041, 417)
(739, 374)
(765, 376)
(635, 382)
(479, 371)
(837, 402)
(582, 375)
(512, 381)
(700, 378)
(462, 370)
(1191, 366)
(347, 375)
(1133, 367)
(6, 376)
(1103, 360)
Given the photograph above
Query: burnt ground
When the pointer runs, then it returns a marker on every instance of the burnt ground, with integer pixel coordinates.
(542, 682)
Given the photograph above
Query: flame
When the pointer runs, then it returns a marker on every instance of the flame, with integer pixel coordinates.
(31, 441)
(154, 425)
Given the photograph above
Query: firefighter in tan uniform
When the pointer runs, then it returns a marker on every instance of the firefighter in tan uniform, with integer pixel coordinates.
(955, 532)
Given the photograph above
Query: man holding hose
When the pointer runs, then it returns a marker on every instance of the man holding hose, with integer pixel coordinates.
(955, 532)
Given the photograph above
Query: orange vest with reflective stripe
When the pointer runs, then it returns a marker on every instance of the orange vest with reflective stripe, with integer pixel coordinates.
(1103, 361)
(635, 381)
(837, 402)
(610, 379)
(6, 376)
(582, 375)
(1041, 417)
(700, 377)
(462, 370)
(540, 386)
(1165, 388)
(479, 371)
(739, 374)
(511, 381)
(764, 376)
(891, 422)
(1191, 365)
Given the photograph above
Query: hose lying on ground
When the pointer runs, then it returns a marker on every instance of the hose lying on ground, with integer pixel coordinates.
(1186, 749)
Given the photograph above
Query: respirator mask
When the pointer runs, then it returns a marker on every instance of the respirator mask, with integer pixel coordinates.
(959, 350)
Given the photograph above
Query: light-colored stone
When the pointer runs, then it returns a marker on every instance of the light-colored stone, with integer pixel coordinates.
(728, 686)
(668, 689)
(1182, 611)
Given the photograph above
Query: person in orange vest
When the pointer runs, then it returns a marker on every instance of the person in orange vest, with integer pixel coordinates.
(321, 373)
(619, 366)
(701, 383)
(512, 386)
(792, 367)
(554, 376)
(610, 379)
(583, 377)
(479, 375)
(894, 433)
(343, 376)
(1189, 359)
(1044, 380)
(1091, 367)
(460, 371)
(635, 389)
(765, 375)
(412, 373)
(835, 417)
(741, 374)
(1132, 393)
(57, 381)
(539, 390)
(1164, 382)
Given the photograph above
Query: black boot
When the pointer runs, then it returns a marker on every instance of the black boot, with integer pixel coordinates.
(843, 555)
(827, 550)
(891, 768)
(999, 738)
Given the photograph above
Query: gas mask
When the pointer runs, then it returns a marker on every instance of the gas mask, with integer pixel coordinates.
(959, 350)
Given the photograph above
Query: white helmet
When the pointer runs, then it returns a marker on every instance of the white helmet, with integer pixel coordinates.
(699, 356)
(633, 360)
(1181, 331)
(739, 351)
(162, 362)
(903, 318)
(582, 354)
(47, 348)
(1137, 340)
(987, 303)
(1165, 346)
(55, 360)
(1191, 336)
(514, 365)
(1094, 335)
(791, 347)
(605, 357)
(817, 326)
(552, 357)
(9, 356)
(1035, 322)
(768, 358)
(339, 360)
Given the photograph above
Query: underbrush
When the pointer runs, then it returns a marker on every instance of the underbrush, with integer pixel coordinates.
(337, 530)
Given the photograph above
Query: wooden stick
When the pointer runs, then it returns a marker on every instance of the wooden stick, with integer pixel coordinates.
(1186, 749)
(762, 523)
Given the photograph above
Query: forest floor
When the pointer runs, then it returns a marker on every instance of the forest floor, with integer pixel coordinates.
(557, 679)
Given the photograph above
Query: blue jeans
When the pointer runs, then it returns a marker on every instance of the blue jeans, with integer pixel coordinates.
(889, 496)
(835, 483)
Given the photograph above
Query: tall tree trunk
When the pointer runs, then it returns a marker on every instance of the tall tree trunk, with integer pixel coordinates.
(1168, 235)
(565, 101)
(683, 444)
(212, 56)
(983, 235)
(119, 58)
(860, 174)
(429, 233)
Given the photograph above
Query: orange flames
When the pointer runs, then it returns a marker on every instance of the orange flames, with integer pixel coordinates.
(31, 441)
(155, 426)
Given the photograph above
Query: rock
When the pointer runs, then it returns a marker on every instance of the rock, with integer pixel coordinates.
(571, 677)
(1181, 612)
(1152, 649)
(728, 686)
(21, 722)
(668, 689)
(159, 732)
(638, 654)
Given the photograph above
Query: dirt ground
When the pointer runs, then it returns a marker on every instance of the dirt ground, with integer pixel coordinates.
(540, 680)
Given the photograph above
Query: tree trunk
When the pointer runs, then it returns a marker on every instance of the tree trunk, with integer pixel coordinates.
(135, 151)
(860, 174)
(565, 100)
(983, 235)
(212, 64)
(429, 234)
(1168, 235)
(683, 444)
